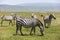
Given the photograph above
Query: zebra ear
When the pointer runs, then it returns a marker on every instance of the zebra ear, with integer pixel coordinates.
(2, 16)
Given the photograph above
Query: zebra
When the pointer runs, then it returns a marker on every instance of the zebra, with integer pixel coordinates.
(7, 18)
(48, 19)
(29, 23)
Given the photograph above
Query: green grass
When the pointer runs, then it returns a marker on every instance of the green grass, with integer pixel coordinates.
(52, 33)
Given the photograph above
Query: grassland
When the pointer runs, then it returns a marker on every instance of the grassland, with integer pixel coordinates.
(52, 33)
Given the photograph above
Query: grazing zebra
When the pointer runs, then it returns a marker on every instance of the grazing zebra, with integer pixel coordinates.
(48, 19)
(28, 23)
(7, 18)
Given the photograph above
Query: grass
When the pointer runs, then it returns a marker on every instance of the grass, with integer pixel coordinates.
(52, 33)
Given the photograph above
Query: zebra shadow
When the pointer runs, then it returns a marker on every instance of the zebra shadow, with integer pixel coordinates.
(4, 26)
(21, 35)
(26, 35)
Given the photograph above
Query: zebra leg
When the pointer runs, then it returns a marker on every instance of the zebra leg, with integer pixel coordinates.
(41, 30)
(45, 25)
(1, 22)
(21, 29)
(10, 22)
(34, 30)
(17, 26)
(49, 25)
(31, 31)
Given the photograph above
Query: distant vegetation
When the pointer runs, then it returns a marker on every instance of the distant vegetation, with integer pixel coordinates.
(30, 7)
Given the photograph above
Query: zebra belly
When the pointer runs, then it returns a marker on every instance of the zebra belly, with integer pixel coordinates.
(28, 25)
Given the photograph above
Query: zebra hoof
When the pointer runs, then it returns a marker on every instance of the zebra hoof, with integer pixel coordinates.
(46, 27)
(22, 34)
(42, 35)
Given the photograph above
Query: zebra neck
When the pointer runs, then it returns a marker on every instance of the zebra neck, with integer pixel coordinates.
(50, 19)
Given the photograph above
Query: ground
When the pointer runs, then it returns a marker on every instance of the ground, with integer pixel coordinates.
(53, 33)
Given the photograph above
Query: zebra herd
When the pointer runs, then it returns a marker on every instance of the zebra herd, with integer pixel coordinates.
(32, 22)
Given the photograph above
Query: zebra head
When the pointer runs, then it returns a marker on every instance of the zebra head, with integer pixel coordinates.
(52, 16)
(2, 16)
(14, 16)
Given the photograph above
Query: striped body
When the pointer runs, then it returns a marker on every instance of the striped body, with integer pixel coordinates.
(28, 23)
